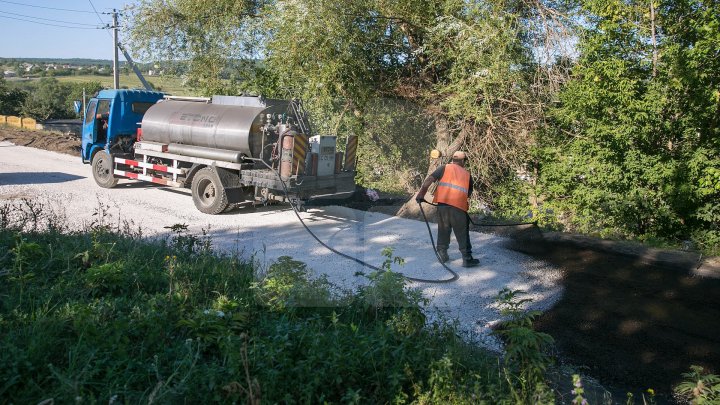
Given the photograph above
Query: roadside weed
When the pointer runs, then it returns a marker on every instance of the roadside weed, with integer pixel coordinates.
(526, 358)
(699, 387)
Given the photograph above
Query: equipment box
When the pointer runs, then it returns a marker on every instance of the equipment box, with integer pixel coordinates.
(324, 147)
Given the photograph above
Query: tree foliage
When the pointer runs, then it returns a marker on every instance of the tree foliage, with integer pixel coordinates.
(466, 67)
(47, 100)
(215, 37)
(11, 99)
(51, 99)
(633, 147)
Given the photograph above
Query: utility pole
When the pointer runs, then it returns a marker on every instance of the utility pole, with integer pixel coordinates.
(116, 70)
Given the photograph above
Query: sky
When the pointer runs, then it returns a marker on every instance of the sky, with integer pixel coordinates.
(61, 28)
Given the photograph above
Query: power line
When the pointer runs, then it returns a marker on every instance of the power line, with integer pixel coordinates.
(98, 16)
(48, 19)
(48, 8)
(52, 25)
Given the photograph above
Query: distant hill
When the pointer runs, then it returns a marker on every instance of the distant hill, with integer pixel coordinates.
(71, 61)
(175, 67)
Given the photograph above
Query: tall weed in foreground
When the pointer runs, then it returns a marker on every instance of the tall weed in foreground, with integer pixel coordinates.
(699, 387)
(526, 358)
(369, 346)
(84, 316)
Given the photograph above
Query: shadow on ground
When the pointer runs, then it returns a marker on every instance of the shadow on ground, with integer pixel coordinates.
(22, 178)
(632, 323)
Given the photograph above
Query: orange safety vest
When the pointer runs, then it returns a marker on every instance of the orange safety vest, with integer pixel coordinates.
(453, 187)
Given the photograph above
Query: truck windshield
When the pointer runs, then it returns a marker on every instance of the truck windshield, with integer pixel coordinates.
(104, 108)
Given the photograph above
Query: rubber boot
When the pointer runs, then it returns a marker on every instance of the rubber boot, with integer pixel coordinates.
(443, 255)
(469, 261)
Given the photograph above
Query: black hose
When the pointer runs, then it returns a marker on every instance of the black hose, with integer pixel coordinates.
(500, 224)
(485, 224)
(432, 240)
(356, 260)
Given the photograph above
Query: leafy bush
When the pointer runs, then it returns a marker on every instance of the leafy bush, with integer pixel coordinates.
(287, 286)
(106, 316)
(50, 99)
(11, 99)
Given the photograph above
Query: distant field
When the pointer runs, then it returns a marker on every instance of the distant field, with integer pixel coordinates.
(167, 84)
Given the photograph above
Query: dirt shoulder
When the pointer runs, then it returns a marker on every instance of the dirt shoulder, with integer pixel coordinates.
(52, 141)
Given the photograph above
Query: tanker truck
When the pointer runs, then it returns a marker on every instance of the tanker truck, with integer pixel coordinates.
(228, 150)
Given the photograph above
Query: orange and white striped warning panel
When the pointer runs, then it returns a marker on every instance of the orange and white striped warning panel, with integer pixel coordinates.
(350, 153)
(159, 168)
(299, 152)
(151, 179)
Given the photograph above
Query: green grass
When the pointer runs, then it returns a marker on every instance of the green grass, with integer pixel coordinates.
(169, 84)
(106, 316)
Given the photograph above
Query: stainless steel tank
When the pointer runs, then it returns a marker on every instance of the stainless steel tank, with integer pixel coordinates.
(219, 126)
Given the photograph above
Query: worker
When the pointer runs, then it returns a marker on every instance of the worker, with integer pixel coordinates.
(102, 125)
(453, 190)
(103, 119)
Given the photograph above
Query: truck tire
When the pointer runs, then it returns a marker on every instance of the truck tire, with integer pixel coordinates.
(208, 192)
(102, 168)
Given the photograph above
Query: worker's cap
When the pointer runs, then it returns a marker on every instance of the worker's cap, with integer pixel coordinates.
(459, 155)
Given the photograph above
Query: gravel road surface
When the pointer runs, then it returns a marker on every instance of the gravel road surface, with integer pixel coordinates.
(62, 183)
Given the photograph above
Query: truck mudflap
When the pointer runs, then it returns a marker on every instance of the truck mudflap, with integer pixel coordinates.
(236, 194)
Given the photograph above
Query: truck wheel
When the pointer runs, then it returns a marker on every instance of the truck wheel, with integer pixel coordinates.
(208, 192)
(102, 168)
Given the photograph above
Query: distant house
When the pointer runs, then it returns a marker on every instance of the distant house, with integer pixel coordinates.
(9, 73)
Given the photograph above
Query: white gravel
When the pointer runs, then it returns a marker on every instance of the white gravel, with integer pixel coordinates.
(64, 184)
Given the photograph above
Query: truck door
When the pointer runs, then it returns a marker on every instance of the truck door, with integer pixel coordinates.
(95, 127)
(88, 138)
(102, 122)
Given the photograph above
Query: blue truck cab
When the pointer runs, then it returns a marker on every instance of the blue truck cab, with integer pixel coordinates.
(112, 119)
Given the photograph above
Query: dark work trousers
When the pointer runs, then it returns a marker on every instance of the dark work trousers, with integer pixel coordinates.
(456, 219)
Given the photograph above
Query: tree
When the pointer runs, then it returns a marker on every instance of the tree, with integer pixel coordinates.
(48, 100)
(11, 99)
(211, 35)
(466, 67)
(633, 148)
(692, 55)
